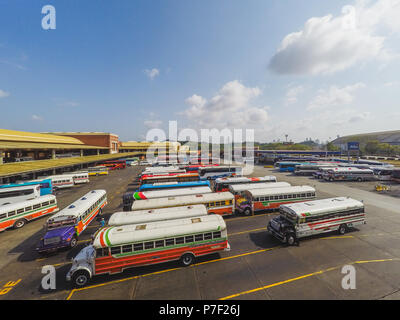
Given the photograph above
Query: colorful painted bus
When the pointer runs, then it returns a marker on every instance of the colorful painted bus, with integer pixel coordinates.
(114, 164)
(212, 173)
(173, 185)
(16, 215)
(129, 197)
(196, 167)
(183, 177)
(222, 184)
(238, 189)
(19, 194)
(115, 249)
(144, 216)
(80, 177)
(348, 174)
(65, 226)
(46, 187)
(271, 198)
(62, 181)
(300, 220)
(97, 171)
(286, 166)
(221, 203)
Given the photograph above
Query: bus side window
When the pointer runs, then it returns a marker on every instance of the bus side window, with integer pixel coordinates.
(217, 234)
(115, 250)
(138, 247)
(198, 237)
(2, 216)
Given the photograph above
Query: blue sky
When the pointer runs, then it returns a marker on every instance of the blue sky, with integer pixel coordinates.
(128, 66)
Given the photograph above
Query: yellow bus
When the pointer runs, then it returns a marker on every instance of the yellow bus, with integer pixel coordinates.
(96, 171)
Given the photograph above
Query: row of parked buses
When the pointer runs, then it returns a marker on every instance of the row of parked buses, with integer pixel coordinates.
(342, 171)
(183, 220)
(24, 201)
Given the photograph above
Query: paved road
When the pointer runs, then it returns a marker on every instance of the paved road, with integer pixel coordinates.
(257, 267)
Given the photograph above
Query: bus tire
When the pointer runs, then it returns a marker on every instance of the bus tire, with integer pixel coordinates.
(359, 179)
(80, 278)
(187, 259)
(291, 239)
(74, 242)
(330, 179)
(247, 212)
(342, 229)
(19, 223)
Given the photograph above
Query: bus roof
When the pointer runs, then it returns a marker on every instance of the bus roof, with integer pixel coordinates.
(274, 191)
(250, 186)
(27, 203)
(181, 200)
(174, 185)
(218, 168)
(118, 235)
(143, 195)
(349, 169)
(316, 207)
(244, 179)
(142, 216)
(26, 183)
(78, 206)
(166, 176)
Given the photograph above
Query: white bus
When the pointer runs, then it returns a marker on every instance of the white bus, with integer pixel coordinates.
(115, 249)
(65, 226)
(212, 173)
(17, 194)
(382, 173)
(217, 203)
(129, 197)
(80, 177)
(348, 174)
(300, 220)
(222, 184)
(16, 215)
(144, 216)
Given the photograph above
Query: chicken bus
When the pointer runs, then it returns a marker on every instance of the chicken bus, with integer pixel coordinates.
(19, 194)
(304, 219)
(182, 177)
(142, 216)
(63, 229)
(348, 174)
(129, 197)
(220, 203)
(271, 198)
(222, 184)
(16, 215)
(117, 248)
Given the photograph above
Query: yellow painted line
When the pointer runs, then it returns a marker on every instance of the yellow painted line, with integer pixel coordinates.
(303, 277)
(168, 270)
(339, 237)
(247, 231)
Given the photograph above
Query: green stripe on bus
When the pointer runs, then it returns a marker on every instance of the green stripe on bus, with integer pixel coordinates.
(106, 237)
(27, 213)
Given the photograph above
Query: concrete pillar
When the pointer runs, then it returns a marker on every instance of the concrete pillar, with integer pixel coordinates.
(53, 154)
(1, 156)
(98, 152)
(81, 152)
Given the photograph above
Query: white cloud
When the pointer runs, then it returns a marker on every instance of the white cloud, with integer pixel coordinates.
(229, 107)
(152, 73)
(329, 44)
(360, 117)
(36, 117)
(152, 124)
(334, 96)
(4, 94)
(292, 94)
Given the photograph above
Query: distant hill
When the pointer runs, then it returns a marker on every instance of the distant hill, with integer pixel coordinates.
(389, 137)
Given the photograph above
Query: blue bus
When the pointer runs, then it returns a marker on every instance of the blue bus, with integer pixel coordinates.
(127, 198)
(286, 166)
(46, 187)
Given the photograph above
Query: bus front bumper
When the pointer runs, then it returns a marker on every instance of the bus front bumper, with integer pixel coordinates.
(276, 234)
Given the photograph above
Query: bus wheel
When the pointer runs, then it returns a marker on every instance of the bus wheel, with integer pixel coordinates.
(290, 239)
(80, 278)
(74, 242)
(330, 179)
(342, 229)
(359, 179)
(247, 212)
(19, 223)
(187, 259)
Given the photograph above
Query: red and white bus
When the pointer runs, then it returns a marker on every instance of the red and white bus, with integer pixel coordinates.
(115, 249)
(144, 216)
(271, 198)
(114, 164)
(220, 203)
(196, 167)
(222, 184)
(182, 177)
(16, 215)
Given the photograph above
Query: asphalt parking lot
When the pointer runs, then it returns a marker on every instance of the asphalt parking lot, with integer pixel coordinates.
(257, 267)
